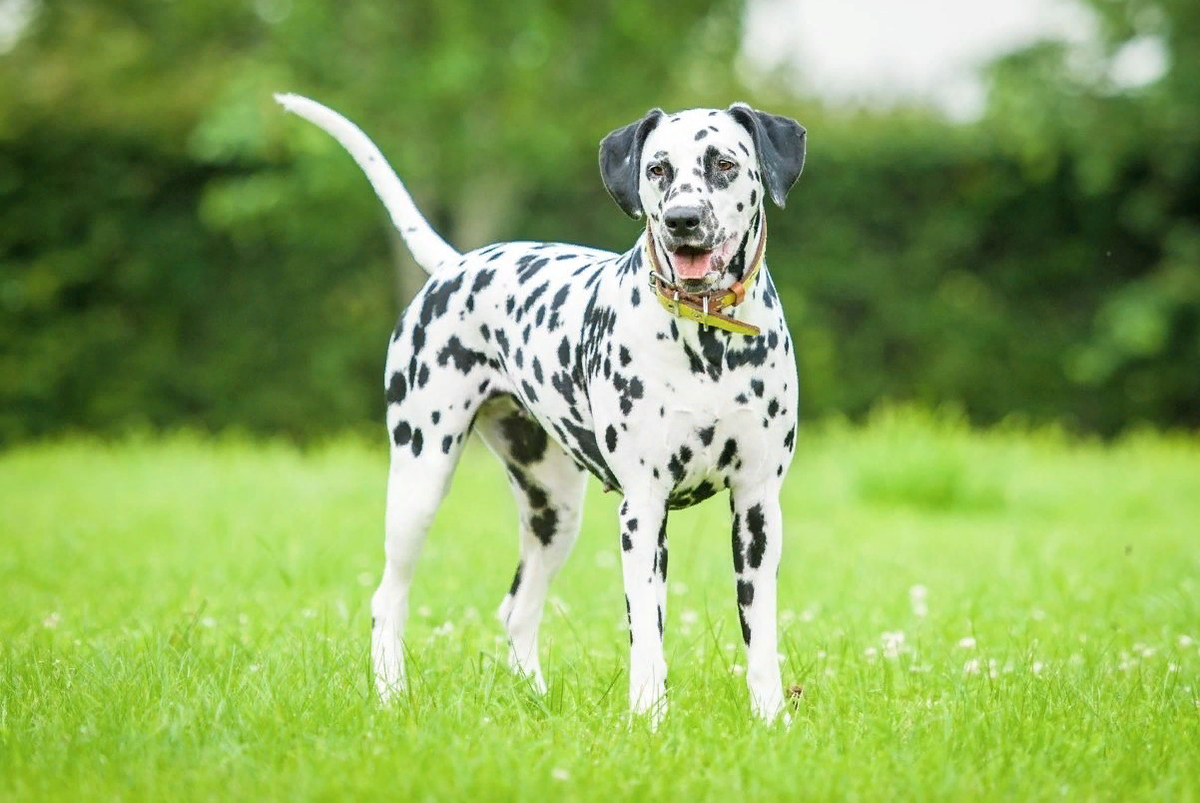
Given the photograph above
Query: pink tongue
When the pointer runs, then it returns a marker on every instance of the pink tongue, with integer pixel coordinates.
(692, 267)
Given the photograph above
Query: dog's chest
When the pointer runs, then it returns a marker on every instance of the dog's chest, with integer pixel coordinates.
(716, 409)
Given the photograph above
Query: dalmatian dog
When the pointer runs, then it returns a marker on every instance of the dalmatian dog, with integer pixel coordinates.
(666, 372)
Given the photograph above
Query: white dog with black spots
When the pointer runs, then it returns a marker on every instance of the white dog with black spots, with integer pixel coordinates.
(666, 371)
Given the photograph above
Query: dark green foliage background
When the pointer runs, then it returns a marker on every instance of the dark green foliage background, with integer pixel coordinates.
(175, 251)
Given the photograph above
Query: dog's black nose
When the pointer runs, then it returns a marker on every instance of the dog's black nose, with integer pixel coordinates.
(682, 220)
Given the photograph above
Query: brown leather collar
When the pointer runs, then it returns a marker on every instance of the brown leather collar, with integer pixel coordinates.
(705, 308)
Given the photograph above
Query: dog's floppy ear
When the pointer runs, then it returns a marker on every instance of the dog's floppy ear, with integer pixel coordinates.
(621, 158)
(780, 145)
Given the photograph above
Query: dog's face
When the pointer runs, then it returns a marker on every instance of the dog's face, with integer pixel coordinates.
(700, 176)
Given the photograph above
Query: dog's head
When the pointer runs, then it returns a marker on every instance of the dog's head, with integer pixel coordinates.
(700, 176)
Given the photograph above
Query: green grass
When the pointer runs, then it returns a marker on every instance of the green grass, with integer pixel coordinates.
(184, 619)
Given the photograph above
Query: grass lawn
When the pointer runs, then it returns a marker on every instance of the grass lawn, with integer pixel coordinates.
(999, 615)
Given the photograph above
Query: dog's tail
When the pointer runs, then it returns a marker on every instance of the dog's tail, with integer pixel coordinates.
(428, 249)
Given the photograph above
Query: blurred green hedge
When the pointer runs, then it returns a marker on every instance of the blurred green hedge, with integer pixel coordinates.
(175, 251)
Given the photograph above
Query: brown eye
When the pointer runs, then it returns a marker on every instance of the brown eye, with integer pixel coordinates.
(724, 165)
(655, 170)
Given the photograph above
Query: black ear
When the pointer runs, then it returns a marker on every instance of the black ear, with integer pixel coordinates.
(780, 145)
(620, 161)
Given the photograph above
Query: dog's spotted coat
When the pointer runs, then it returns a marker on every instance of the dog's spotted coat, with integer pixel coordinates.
(564, 362)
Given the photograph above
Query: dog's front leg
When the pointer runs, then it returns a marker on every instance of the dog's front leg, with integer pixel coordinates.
(757, 544)
(644, 567)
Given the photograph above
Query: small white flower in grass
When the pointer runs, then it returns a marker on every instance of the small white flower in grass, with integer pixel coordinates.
(821, 655)
(560, 774)
(679, 589)
(808, 614)
(1037, 667)
(308, 613)
(444, 629)
(51, 621)
(780, 657)
(366, 579)
(729, 646)
(971, 667)
(787, 615)
(1185, 641)
(967, 643)
(893, 644)
(871, 653)
(1172, 667)
(424, 611)
(253, 668)
(917, 599)
(737, 669)
(208, 622)
(1148, 651)
(1075, 660)
(689, 617)
(243, 619)
(559, 606)
(1037, 614)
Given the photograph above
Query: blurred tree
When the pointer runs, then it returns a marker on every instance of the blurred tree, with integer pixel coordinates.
(174, 249)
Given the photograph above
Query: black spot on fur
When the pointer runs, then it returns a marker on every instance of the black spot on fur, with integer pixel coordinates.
(437, 298)
(739, 554)
(756, 524)
(397, 389)
(544, 525)
(464, 359)
(402, 434)
(745, 592)
(482, 280)
(526, 439)
(728, 453)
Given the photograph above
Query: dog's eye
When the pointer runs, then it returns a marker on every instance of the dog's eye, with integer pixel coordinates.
(655, 170)
(724, 165)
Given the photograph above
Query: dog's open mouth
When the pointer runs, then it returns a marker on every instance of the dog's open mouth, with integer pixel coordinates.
(691, 262)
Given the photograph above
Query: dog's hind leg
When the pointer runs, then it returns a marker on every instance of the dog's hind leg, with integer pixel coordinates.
(549, 489)
(427, 437)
